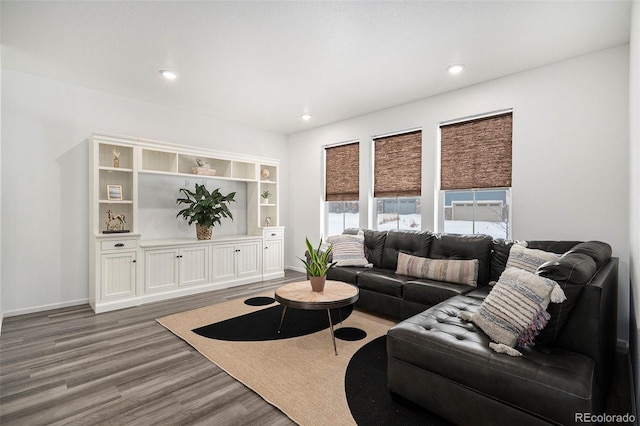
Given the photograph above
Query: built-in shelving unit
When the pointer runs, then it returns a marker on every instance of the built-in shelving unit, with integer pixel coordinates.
(127, 270)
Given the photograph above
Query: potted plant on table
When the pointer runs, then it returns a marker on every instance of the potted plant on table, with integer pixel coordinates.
(205, 208)
(317, 265)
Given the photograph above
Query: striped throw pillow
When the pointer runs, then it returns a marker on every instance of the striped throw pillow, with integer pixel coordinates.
(449, 270)
(513, 313)
(348, 250)
(529, 259)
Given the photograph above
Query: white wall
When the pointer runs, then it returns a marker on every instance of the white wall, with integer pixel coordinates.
(1, 310)
(570, 154)
(634, 179)
(45, 177)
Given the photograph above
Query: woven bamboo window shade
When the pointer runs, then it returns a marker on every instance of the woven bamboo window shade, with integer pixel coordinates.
(342, 172)
(476, 153)
(398, 165)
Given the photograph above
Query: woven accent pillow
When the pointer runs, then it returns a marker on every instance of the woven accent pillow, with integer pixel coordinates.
(348, 250)
(449, 270)
(529, 259)
(514, 312)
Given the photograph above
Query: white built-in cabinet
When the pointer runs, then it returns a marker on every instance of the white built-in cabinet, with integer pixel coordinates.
(173, 267)
(237, 260)
(273, 252)
(127, 270)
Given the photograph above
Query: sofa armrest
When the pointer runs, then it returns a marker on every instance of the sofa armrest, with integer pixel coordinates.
(591, 328)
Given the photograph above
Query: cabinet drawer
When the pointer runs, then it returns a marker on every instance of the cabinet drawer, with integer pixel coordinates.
(118, 244)
(272, 233)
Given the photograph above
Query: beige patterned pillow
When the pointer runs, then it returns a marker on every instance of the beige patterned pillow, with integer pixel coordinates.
(449, 270)
(514, 311)
(529, 259)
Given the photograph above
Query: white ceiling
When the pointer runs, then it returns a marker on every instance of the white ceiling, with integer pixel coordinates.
(265, 63)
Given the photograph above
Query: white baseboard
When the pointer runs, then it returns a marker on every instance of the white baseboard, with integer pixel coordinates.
(48, 307)
(295, 268)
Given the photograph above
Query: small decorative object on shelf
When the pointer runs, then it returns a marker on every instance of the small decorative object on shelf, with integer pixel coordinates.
(116, 157)
(205, 209)
(115, 223)
(267, 221)
(317, 265)
(264, 174)
(203, 168)
(114, 192)
(265, 197)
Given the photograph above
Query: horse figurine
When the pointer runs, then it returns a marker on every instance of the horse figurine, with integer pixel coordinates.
(113, 218)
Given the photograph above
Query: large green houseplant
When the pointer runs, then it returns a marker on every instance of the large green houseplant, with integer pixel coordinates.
(317, 265)
(205, 208)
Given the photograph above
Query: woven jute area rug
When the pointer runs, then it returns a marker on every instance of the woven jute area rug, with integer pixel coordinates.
(301, 376)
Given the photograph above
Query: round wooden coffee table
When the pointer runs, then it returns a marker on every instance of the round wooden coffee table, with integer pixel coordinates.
(299, 295)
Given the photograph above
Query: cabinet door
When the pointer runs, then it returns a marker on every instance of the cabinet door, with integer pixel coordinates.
(224, 262)
(194, 265)
(118, 275)
(161, 270)
(273, 259)
(249, 259)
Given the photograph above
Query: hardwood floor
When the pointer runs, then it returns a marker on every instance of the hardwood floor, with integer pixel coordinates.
(71, 366)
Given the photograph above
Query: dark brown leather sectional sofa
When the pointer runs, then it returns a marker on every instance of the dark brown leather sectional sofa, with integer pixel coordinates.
(445, 364)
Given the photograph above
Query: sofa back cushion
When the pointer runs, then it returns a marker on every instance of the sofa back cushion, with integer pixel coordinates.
(450, 246)
(415, 243)
(373, 242)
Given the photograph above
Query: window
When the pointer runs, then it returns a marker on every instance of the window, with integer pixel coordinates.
(477, 212)
(475, 176)
(342, 188)
(398, 213)
(398, 181)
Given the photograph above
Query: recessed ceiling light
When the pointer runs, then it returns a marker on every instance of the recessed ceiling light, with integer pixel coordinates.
(455, 69)
(168, 74)
(306, 117)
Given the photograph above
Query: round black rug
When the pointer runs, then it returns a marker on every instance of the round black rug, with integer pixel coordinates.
(368, 397)
(263, 324)
(259, 301)
(349, 334)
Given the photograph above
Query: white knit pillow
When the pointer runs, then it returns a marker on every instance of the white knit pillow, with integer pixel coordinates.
(348, 250)
(514, 312)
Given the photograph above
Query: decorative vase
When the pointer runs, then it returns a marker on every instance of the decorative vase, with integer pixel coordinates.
(265, 201)
(264, 174)
(203, 232)
(317, 283)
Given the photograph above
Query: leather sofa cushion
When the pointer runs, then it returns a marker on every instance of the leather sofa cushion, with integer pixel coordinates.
(600, 252)
(382, 281)
(428, 292)
(449, 246)
(548, 381)
(577, 268)
(416, 243)
(347, 274)
(501, 249)
(559, 247)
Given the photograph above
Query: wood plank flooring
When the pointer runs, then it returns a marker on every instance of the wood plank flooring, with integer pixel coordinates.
(72, 367)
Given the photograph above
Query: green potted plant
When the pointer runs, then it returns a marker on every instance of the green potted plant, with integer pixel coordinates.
(265, 197)
(317, 265)
(205, 208)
